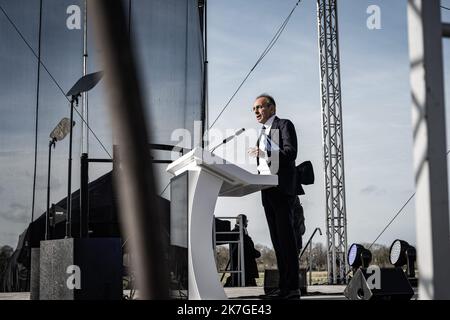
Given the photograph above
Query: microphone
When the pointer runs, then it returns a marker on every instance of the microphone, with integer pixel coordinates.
(238, 133)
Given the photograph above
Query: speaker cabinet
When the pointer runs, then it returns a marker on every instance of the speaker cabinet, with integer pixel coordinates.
(272, 276)
(81, 269)
(393, 285)
(34, 275)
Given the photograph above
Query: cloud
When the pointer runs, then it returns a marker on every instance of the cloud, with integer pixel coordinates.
(373, 190)
(9, 238)
(17, 212)
(41, 182)
(307, 203)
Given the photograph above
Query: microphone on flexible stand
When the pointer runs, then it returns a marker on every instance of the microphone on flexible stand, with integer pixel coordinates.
(238, 133)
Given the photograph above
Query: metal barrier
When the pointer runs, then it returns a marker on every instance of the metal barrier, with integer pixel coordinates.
(240, 242)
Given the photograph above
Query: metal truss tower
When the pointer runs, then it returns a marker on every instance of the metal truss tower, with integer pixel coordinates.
(333, 142)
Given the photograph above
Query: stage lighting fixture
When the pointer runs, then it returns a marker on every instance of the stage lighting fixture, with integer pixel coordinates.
(401, 254)
(59, 133)
(84, 84)
(358, 256)
(61, 130)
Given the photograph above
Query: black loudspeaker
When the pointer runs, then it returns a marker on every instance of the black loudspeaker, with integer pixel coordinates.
(393, 285)
(81, 269)
(34, 275)
(272, 276)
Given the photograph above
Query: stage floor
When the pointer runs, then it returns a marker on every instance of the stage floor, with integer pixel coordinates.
(314, 293)
(248, 293)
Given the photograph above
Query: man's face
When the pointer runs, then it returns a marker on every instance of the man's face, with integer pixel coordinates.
(263, 111)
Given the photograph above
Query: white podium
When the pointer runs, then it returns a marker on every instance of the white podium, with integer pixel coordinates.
(208, 178)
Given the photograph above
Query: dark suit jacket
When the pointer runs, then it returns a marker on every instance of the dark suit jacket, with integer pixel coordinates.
(283, 134)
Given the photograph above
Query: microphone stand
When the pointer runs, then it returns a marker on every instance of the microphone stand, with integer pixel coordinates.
(227, 140)
(222, 143)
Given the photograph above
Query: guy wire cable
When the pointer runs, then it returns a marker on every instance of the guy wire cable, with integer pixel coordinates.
(269, 47)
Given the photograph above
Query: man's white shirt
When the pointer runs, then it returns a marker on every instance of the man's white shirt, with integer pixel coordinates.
(264, 168)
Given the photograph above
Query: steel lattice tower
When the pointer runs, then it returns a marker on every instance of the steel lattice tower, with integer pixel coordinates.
(333, 143)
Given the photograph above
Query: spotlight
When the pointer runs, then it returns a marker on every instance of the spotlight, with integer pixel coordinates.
(358, 256)
(401, 254)
(394, 283)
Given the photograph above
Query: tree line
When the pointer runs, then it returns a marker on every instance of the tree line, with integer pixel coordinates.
(318, 255)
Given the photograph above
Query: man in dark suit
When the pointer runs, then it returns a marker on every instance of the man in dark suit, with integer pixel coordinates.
(276, 153)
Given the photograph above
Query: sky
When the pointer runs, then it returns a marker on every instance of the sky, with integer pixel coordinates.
(375, 98)
(376, 105)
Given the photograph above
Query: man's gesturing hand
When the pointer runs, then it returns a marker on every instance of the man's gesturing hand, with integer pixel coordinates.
(256, 152)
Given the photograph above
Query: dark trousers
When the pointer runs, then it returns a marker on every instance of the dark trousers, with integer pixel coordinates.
(279, 209)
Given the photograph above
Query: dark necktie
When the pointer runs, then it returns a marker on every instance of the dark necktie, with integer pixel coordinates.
(263, 130)
(267, 145)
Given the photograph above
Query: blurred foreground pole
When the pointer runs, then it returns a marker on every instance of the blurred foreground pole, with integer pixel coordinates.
(430, 148)
(139, 215)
